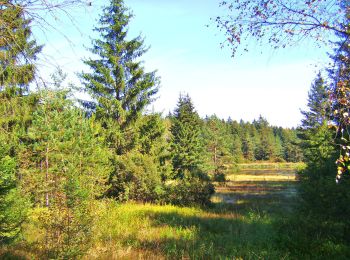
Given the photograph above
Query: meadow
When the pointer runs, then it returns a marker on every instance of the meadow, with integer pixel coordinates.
(253, 216)
(240, 224)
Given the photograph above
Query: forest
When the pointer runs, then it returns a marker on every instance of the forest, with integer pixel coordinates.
(105, 178)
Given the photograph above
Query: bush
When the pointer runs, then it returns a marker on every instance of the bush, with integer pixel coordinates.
(189, 192)
(137, 178)
(219, 177)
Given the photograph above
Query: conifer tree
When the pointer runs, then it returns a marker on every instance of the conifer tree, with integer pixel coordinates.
(219, 145)
(317, 103)
(187, 144)
(13, 205)
(248, 147)
(64, 168)
(17, 70)
(139, 174)
(314, 132)
(118, 84)
(17, 50)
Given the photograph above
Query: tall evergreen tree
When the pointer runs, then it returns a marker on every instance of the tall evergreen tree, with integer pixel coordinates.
(118, 83)
(219, 144)
(314, 132)
(17, 50)
(317, 104)
(187, 143)
(17, 54)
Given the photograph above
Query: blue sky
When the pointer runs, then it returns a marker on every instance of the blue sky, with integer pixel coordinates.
(188, 59)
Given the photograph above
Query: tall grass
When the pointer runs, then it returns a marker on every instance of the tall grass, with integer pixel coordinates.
(271, 165)
(134, 230)
(249, 219)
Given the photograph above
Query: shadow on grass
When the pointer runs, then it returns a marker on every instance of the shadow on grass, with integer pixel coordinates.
(12, 255)
(211, 236)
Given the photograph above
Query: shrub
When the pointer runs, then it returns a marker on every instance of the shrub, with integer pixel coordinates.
(137, 178)
(188, 192)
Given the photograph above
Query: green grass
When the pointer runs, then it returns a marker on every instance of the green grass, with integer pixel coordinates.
(239, 225)
(253, 217)
(131, 230)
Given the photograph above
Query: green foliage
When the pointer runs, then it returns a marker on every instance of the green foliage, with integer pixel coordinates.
(17, 50)
(13, 205)
(220, 146)
(118, 84)
(324, 204)
(318, 104)
(64, 167)
(340, 95)
(139, 174)
(121, 90)
(189, 192)
(136, 177)
(17, 53)
(187, 147)
(187, 143)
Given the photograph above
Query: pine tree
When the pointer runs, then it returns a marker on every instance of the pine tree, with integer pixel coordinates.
(64, 168)
(187, 143)
(118, 84)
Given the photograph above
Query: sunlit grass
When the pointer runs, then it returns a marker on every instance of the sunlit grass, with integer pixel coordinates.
(271, 165)
(267, 177)
(239, 225)
(133, 230)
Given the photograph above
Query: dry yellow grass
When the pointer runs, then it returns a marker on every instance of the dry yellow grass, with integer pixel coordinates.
(267, 177)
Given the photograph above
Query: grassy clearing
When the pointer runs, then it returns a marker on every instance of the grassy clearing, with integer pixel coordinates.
(252, 217)
(240, 224)
(134, 230)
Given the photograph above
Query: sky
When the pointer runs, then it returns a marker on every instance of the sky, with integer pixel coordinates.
(186, 53)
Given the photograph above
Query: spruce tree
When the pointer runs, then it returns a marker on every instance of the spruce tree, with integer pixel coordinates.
(17, 50)
(118, 84)
(139, 174)
(317, 104)
(190, 184)
(187, 144)
(314, 132)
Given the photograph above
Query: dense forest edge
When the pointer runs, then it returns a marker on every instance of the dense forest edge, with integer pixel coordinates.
(105, 178)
